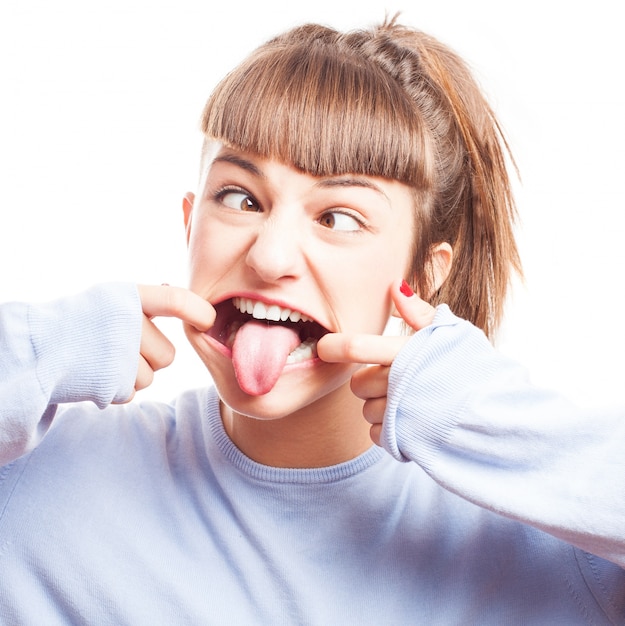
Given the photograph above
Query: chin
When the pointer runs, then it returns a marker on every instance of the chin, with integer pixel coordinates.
(300, 386)
(297, 390)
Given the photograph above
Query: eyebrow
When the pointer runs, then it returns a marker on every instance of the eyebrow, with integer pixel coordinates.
(353, 181)
(324, 183)
(349, 181)
(244, 164)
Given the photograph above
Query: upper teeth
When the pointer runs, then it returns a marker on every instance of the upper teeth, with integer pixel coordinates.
(273, 312)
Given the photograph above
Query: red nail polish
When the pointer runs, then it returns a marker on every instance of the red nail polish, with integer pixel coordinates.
(406, 289)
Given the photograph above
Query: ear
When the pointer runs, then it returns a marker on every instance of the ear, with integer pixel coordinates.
(441, 258)
(187, 210)
(439, 265)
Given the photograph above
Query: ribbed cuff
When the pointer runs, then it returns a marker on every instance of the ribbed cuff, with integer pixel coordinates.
(428, 386)
(87, 346)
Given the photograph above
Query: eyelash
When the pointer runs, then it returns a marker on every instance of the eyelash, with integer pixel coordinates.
(361, 222)
(223, 191)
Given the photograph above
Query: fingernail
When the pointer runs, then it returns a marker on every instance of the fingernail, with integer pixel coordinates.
(406, 289)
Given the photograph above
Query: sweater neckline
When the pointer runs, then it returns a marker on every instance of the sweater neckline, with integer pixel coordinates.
(268, 473)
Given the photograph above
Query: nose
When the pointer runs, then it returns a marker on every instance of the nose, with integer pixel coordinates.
(276, 251)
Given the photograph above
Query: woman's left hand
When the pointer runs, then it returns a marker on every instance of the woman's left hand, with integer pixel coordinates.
(371, 383)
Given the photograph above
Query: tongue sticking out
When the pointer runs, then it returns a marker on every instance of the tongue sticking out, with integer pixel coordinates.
(259, 353)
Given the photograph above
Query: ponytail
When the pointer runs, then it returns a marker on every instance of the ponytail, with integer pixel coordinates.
(472, 207)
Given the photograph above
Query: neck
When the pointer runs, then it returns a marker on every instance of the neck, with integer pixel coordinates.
(332, 430)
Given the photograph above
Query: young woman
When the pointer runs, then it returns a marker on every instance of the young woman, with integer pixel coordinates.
(345, 178)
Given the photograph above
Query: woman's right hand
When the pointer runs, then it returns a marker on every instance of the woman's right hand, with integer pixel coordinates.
(156, 351)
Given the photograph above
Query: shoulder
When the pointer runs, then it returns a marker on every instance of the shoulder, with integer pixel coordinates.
(138, 428)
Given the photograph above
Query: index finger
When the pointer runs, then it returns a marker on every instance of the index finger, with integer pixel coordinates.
(359, 348)
(168, 301)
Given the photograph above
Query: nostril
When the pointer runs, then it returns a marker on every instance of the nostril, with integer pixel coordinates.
(275, 253)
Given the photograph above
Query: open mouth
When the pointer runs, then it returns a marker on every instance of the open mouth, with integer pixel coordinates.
(234, 313)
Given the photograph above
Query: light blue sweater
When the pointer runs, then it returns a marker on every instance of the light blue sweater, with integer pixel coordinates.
(148, 514)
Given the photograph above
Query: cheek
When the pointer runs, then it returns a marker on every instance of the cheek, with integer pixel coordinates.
(390, 263)
(212, 253)
(364, 289)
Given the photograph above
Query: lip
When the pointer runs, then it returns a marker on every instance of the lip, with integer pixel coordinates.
(228, 315)
(284, 304)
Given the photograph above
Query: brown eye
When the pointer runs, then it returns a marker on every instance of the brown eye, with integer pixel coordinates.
(240, 201)
(337, 220)
(327, 220)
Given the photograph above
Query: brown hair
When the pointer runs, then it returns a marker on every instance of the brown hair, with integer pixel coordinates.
(396, 103)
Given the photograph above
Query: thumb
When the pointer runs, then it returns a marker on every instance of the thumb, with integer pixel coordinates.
(417, 313)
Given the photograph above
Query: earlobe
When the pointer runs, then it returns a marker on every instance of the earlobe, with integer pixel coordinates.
(187, 210)
(440, 264)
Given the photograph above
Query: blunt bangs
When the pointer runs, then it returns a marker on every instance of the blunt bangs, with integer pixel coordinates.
(322, 110)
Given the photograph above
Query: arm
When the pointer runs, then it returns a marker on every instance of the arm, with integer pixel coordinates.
(470, 418)
(99, 346)
(78, 348)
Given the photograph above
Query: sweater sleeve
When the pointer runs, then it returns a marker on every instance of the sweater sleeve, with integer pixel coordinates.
(84, 347)
(471, 419)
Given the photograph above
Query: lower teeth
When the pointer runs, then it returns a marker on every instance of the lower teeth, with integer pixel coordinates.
(306, 350)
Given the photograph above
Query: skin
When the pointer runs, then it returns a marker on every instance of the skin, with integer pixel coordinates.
(319, 246)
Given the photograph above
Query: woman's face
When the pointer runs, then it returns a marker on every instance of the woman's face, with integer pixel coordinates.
(286, 257)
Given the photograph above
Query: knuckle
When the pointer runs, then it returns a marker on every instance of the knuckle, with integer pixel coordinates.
(375, 432)
(369, 412)
(168, 354)
(355, 347)
(177, 301)
(355, 384)
(163, 356)
(145, 376)
(373, 410)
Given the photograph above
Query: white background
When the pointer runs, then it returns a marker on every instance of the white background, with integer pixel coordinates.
(99, 105)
